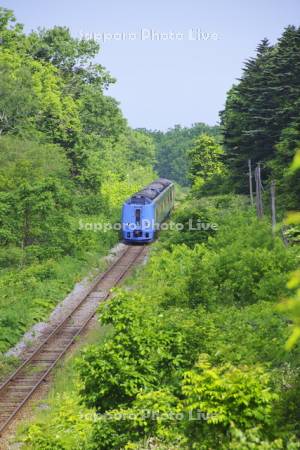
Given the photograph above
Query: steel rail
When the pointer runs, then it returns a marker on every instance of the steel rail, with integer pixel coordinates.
(38, 350)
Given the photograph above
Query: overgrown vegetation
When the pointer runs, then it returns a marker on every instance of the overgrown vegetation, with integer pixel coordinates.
(199, 334)
(196, 355)
(67, 161)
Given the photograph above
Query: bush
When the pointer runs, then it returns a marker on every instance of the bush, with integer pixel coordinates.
(216, 298)
(198, 225)
(225, 395)
(252, 334)
(10, 256)
(242, 265)
(69, 428)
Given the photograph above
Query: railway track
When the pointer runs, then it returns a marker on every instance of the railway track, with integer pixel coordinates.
(20, 386)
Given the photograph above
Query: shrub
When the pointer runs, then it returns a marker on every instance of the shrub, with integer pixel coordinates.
(226, 395)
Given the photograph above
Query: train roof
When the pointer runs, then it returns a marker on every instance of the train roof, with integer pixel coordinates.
(150, 192)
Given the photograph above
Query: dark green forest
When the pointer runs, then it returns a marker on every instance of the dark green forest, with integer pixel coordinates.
(172, 148)
(261, 119)
(200, 348)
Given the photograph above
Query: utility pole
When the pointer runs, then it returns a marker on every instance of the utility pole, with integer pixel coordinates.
(273, 206)
(250, 181)
(258, 187)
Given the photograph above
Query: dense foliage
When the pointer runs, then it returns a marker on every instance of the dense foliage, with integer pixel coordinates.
(292, 305)
(67, 161)
(196, 355)
(207, 170)
(261, 119)
(172, 149)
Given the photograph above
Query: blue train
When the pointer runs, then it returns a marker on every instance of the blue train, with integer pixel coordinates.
(143, 213)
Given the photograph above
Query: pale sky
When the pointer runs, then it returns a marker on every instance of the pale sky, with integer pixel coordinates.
(174, 60)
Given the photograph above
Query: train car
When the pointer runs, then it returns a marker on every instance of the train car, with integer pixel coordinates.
(143, 213)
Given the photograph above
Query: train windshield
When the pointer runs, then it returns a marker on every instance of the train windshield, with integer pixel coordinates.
(138, 217)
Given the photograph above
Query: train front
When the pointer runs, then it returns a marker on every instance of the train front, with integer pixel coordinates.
(138, 220)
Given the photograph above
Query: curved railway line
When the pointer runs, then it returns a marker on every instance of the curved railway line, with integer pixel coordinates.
(20, 386)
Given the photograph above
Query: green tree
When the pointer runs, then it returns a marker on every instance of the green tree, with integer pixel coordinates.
(35, 201)
(205, 158)
(172, 147)
(262, 109)
(11, 32)
(142, 148)
(32, 100)
(72, 56)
